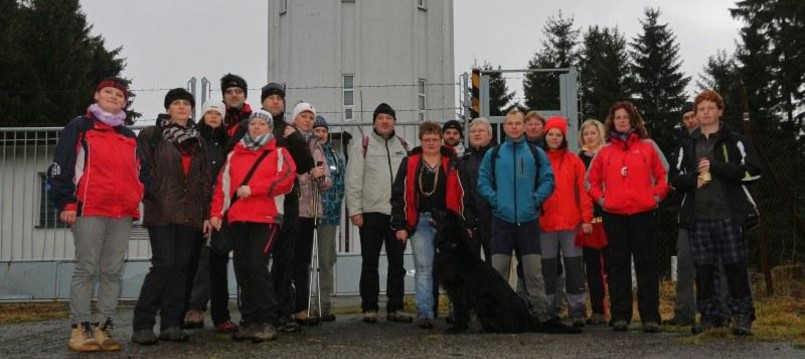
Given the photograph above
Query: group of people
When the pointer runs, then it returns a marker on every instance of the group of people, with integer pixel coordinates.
(250, 183)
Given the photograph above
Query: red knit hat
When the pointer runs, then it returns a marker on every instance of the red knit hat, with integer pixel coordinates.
(557, 122)
(115, 82)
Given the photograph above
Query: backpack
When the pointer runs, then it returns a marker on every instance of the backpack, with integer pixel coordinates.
(495, 156)
(365, 144)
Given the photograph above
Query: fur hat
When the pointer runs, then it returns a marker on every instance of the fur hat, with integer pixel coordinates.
(321, 122)
(231, 80)
(454, 124)
(303, 107)
(213, 104)
(557, 122)
(179, 94)
(272, 89)
(116, 82)
(386, 109)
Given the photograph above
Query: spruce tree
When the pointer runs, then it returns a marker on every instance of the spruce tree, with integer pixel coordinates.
(559, 50)
(721, 75)
(605, 73)
(51, 64)
(499, 94)
(659, 82)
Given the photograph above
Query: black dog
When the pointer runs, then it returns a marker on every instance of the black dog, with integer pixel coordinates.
(473, 284)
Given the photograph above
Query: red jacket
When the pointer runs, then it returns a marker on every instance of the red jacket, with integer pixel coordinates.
(273, 178)
(569, 203)
(95, 170)
(630, 176)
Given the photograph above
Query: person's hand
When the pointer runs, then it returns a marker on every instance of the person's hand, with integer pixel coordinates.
(704, 165)
(402, 235)
(357, 220)
(586, 228)
(700, 182)
(244, 192)
(206, 228)
(317, 172)
(215, 222)
(288, 131)
(68, 217)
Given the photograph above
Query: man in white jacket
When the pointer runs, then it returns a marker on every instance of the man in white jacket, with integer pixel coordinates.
(372, 166)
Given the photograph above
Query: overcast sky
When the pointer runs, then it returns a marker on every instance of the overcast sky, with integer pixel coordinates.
(167, 42)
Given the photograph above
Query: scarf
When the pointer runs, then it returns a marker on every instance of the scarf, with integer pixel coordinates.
(256, 143)
(622, 136)
(113, 120)
(184, 137)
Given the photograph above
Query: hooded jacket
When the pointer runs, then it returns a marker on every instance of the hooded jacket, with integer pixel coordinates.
(513, 196)
(96, 169)
(569, 203)
(273, 178)
(630, 176)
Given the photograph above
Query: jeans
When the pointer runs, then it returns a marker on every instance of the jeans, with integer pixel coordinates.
(100, 248)
(424, 249)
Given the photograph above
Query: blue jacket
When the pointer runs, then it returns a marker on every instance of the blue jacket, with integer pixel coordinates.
(513, 197)
(333, 197)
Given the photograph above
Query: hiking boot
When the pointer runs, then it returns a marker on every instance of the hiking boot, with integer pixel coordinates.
(596, 319)
(246, 332)
(103, 334)
(288, 325)
(329, 317)
(227, 327)
(703, 327)
(194, 319)
(742, 326)
(578, 322)
(620, 326)
(399, 317)
(370, 317)
(425, 323)
(651, 327)
(82, 338)
(173, 334)
(144, 337)
(303, 319)
(266, 333)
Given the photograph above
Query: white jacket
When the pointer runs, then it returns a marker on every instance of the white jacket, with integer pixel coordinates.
(369, 178)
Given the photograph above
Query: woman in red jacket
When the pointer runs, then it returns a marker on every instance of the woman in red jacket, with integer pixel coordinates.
(628, 179)
(254, 213)
(564, 211)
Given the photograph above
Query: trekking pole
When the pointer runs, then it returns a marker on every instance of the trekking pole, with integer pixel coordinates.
(314, 259)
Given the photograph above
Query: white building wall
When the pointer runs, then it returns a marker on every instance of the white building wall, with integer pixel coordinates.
(386, 44)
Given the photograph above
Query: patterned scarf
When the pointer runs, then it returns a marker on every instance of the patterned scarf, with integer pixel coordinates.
(113, 120)
(256, 143)
(184, 137)
(622, 136)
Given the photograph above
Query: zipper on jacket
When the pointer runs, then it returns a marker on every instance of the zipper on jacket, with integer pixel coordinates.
(388, 157)
(514, 156)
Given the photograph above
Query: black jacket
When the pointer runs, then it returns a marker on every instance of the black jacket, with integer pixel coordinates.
(469, 165)
(735, 164)
(216, 139)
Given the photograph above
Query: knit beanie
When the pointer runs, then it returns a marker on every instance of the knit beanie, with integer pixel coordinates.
(321, 122)
(687, 107)
(386, 109)
(454, 124)
(262, 115)
(231, 80)
(557, 122)
(272, 89)
(115, 82)
(179, 94)
(303, 107)
(216, 105)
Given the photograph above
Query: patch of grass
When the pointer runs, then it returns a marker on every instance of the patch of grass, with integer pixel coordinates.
(11, 313)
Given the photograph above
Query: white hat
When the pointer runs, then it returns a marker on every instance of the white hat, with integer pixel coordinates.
(216, 105)
(302, 107)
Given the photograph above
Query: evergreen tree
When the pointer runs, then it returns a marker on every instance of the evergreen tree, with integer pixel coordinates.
(721, 74)
(51, 62)
(499, 94)
(605, 73)
(659, 82)
(559, 50)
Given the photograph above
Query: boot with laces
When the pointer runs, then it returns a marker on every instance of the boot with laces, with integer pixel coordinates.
(104, 337)
(82, 338)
